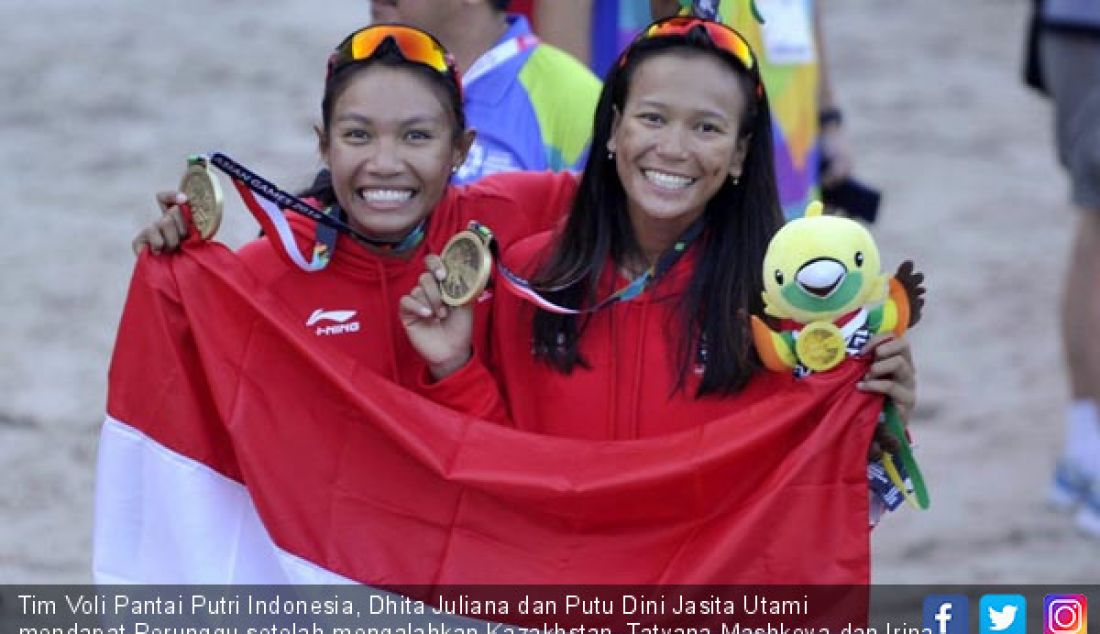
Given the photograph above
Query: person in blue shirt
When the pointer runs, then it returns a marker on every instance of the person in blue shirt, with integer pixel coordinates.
(530, 103)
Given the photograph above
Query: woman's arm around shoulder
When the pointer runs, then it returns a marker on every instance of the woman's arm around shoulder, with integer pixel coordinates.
(515, 205)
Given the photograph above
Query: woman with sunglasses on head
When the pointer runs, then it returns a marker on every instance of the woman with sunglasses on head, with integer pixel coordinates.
(661, 253)
(392, 133)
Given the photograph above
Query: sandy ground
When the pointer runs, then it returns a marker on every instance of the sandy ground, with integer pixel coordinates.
(104, 100)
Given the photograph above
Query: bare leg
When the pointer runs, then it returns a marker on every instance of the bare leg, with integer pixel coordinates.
(1081, 309)
(1081, 342)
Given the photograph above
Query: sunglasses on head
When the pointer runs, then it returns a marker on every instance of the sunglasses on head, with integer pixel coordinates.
(722, 36)
(413, 44)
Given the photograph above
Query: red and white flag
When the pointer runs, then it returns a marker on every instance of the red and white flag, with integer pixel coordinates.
(234, 451)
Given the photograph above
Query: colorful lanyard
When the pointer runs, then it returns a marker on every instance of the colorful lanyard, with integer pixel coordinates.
(491, 59)
(262, 187)
(523, 289)
(326, 236)
(919, 496)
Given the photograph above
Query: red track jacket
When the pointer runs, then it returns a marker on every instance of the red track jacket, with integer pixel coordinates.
(351, 306)
(629, 389)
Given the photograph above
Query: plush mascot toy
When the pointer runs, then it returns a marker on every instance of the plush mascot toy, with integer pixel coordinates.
(827, 296)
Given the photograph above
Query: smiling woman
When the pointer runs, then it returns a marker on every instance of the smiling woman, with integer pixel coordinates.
(636, 320)
(677, 145)
(639, 324)
(392, 132)
(392, 129)
(390, 146)
(686, 131)
(688, 153)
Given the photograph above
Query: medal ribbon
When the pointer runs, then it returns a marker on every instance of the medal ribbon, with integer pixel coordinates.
(411, 240)
(273, 221)
(522, 288)
(847, 324)
(325, 238)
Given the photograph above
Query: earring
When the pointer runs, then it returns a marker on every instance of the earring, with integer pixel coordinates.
(610, 155)
(454, 169)
(736, 180)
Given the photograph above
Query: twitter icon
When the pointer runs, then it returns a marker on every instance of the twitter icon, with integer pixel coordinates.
(1002, 614)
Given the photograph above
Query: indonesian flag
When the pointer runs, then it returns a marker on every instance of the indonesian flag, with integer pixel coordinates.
(235, 452)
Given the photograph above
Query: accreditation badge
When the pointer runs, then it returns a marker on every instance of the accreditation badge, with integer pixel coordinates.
(468, 261)
(204, 196)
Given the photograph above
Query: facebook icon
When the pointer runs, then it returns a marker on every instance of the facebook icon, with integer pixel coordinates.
(946, 614)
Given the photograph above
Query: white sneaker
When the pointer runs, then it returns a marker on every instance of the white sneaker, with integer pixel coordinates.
(1088, 517)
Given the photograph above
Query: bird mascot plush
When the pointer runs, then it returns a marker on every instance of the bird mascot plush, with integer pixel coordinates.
(825, 296)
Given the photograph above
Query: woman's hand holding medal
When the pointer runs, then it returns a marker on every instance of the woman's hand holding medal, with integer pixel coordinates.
(442, 334)
(198, 203)
(168, 231)
(437, 314)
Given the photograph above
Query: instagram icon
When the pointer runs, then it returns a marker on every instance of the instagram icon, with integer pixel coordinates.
(1065, 614)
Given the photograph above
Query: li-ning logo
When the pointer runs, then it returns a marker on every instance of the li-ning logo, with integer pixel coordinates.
(341, 318)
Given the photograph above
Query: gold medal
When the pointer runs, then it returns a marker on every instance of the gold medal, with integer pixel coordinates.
(468, 262)
(204, 196)
(820, 346)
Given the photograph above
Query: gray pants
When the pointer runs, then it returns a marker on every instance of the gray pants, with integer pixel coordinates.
(1071, 67)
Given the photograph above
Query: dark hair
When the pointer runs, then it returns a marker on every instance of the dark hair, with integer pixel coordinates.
(739, 221)
(499, 5)
(389, 56)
